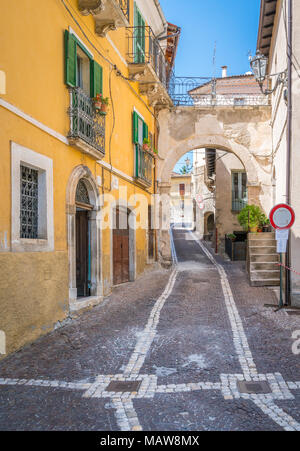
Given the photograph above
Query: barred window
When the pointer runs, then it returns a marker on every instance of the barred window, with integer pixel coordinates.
(29, 203)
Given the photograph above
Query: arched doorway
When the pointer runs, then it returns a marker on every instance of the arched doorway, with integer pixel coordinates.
(84, 239)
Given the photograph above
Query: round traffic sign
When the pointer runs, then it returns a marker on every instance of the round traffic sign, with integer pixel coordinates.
(282, 217)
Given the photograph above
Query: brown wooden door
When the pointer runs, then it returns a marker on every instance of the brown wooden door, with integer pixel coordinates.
(121, 250)
(151, 236)
(82, 253)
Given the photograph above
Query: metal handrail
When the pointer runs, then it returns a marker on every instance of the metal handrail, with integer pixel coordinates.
(144, 48)
(85, 123)
(144, 165)
(183, 91)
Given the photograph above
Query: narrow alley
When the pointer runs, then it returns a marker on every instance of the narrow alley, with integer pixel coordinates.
(170, 351)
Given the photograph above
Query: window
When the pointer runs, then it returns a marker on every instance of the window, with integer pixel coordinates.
(81, 71)
(239, 101)
(29, 203)
(139, 37)
(182, 189)
(143, 159)
(32, 201)
(239, 191)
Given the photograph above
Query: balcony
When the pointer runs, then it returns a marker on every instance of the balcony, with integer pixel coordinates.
(87, 127)
(109, 14)
(143, 166)
(148, 65)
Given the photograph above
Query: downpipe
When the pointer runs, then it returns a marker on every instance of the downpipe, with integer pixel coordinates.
(289, 143)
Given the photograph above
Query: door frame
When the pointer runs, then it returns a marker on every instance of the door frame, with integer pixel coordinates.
(83, 173)
(132, 242)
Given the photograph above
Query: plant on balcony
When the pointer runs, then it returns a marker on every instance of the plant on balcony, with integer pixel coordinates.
(147, 144)
(101, 103)
(251, 218)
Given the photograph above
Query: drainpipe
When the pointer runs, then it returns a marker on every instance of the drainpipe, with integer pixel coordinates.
(289, 141)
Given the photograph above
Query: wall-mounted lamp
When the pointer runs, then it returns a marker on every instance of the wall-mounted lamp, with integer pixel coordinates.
(259, 65)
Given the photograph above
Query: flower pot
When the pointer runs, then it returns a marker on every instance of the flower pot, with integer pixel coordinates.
(146, 147)
(104, 108)
(254, 229)
(98, 105)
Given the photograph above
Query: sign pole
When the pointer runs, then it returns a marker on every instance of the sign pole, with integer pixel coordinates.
(282, 219)
(281, 283)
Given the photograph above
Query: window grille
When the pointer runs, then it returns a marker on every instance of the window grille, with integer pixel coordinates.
(29, 203)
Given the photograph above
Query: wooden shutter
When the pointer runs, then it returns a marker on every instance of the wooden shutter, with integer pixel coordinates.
(96, 79)
(135, 129)
(145, 131)
(70, 59)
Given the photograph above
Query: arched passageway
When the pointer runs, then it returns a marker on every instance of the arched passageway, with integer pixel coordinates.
(243, 132)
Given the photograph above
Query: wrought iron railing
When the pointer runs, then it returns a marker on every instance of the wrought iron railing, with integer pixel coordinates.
(238, 205)
(85, 123)
(125, 7)
(208, 92)
(144, 48)
(143, 165)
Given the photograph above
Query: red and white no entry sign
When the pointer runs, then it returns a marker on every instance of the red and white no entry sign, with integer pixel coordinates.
(282, 217)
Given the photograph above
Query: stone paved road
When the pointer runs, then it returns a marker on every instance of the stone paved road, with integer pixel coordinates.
(186, 337)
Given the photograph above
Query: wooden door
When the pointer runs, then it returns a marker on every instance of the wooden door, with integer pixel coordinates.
(151, 235)
(82, 253)
(121, 249)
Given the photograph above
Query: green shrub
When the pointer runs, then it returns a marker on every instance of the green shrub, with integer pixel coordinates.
(251, 216)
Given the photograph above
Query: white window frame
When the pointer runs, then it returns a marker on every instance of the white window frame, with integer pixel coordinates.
(22, 156)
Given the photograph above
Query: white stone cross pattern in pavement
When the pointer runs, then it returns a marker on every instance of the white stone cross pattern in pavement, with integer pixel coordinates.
(126, 415)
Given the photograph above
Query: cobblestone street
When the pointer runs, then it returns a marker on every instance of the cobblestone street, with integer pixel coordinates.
(183, 341)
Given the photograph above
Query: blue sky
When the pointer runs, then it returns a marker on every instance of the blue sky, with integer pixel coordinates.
(232, 24)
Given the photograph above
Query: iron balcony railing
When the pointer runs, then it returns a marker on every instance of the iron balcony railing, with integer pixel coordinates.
(144, 48)
(238, 205)
(206, 92)
(125, 7)
(144, 165)
(85, 123)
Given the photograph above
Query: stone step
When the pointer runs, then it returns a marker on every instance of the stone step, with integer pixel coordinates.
(262, 236)
(267, 258)
(265, 283)
(257, 243)
(264, 274)
(264, 266)
(262, 250)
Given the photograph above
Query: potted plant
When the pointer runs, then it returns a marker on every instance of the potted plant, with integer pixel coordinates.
(264, 223)
(250, 218)
(231, 236)
(146, 144)
(101, 103)
(98, 101)
(105, 103)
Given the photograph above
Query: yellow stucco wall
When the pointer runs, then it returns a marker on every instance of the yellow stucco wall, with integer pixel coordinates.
(34, 286)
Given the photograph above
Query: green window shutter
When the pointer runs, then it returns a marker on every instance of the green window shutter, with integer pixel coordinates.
(96, 79)
(146, 131)
(135, 129)
(70, 59)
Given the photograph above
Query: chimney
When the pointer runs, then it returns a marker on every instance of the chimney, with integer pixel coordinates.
(224, 71)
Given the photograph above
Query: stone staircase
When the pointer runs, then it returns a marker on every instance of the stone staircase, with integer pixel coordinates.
(262, 259)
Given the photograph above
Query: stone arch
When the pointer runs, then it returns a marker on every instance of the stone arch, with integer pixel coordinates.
(207, 216)
(216, 142)
(83, 173)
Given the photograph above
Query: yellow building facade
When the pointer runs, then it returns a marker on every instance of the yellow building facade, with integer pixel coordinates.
(67, 166)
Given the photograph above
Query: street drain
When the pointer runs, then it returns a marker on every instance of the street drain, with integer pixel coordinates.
(123, 386)
(254, 388)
